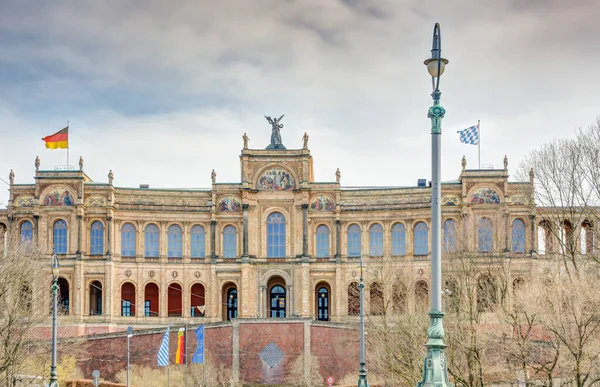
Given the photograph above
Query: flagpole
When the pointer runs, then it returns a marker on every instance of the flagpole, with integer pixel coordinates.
(67, 145)
(185, 343)
(479, 144)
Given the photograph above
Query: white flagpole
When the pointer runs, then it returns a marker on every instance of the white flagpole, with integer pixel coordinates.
(478, 144)
(67, 145)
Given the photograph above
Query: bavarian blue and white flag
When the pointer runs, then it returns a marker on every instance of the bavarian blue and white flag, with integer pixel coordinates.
(470, 135)
(163, 352)
(199, 353)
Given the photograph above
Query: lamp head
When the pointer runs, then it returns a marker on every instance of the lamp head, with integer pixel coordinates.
(55, 268)
(436, 64)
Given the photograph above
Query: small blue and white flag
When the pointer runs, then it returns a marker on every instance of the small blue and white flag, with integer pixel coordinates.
(199, 353)
(163, 352)
(470, 135)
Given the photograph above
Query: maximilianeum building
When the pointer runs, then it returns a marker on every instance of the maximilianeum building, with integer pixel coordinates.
(276, 244)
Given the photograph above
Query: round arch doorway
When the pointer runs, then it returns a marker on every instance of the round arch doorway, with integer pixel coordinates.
(277, 298)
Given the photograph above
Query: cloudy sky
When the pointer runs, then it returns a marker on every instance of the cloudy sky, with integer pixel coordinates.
(162, 91)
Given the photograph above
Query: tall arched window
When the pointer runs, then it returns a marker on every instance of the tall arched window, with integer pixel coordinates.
(97, 238)
(353, 299)
(276, 235)
(376, 293)
(26, 231)
(278, 298)
(518, 236)
(174, 241)
(232, 303)
(354, 245)
(399, 297)
(323, 303)
(588, 241)
(449, 236)
(322, 241)
(151, 241)
(545, 238)
(484, 236)
(127, 299)
(229, 242)
(128, 239)
(420, 239)
(197, 241)
(376, 240)
(59, 237)
(398, 240)
(487, 293)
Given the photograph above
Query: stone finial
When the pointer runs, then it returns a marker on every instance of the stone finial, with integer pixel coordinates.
(505, 163)
(11, 177)
(111, 176)
(338, 175)
(531, 175)
(464, 163)
(305, 139)
(37, 163)
(246, 139)
(213, 176)
(80, 163)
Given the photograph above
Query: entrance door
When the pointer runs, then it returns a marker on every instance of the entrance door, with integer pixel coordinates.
(277, 301)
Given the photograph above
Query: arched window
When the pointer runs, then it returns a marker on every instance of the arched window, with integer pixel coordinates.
(487, 293)
(174, 300)
(151, 241)
(545, 239)
(450, 236)
(276, 236)
(63, 296)
(231, 302)
(95, 298)
(229, 242)
(277, 306)
(398, 240)
(353, 299)
(197, 241)
(354, 246)
(26, 232)
(484, 236)
(376, 293)
(151, 300)
(587, 238)
(376, 240)
(174, 241)
(399, 297)
(566, 238)
(322, 241)
(421, 295)
(518, 236)
(197, 301)
(128, 239)
(127, 299)
(97, 238)
(323, 304)
(60, 237)
(420, 239)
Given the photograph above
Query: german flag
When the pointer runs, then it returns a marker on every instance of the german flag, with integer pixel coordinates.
(59, 139)
(180, 354)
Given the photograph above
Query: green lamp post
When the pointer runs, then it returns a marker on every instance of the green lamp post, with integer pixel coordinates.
(435, 372)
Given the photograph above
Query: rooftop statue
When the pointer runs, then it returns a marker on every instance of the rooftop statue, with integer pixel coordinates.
(275, 133)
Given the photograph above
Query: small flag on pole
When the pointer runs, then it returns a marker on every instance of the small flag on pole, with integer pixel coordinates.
(470, 135)
(59, 139)
(180, 354)
(199, 353)
(163, 352)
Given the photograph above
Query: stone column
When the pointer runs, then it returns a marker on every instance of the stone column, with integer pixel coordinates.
(305, 230)
(338, 240)
(213, 240)
(109, 231)
(79, 233)
(11, 219)
(245, 232)
(36, 233)
(290, 301)
(263, 295)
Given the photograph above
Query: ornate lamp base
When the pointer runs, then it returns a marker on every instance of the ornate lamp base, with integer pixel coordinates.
(435, 371)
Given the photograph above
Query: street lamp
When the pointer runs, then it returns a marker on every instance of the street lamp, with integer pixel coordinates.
(435, 372)
(55, 271)
(362, 372)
